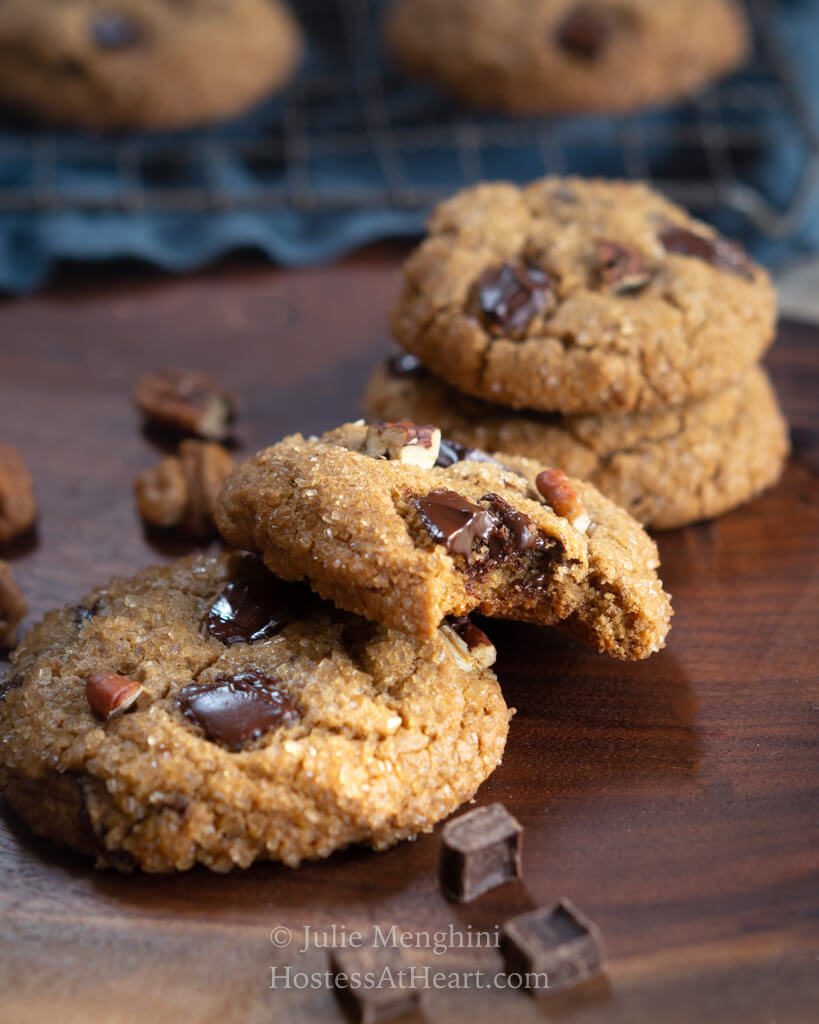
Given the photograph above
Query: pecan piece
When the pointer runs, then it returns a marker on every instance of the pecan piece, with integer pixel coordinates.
(18, 509)
(404, 442)
(557, 490)
(182, 490)
(620, 268)
(186, 401)
(13, 606)
(469, 645)
(109, 694)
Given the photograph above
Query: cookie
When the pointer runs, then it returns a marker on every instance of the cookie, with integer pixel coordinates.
(205, 712)
(581, 296)
(667, 468)
(545, 56)
(143, 63)
(393, 523)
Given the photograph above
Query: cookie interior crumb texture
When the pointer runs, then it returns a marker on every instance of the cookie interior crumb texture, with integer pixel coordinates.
(581, 296)
(390, 541)
(318, 731)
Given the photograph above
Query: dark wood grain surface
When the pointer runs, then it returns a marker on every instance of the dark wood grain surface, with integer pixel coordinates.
(676, 801)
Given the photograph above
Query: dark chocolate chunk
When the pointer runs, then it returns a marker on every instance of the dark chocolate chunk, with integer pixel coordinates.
(81, 614)
(479, 851)
(236, 710)
(585, 31)
(356, 971)
(553, 948)
(516, 531)
(451, 452)
(11, 682)
(403, 364)
(255, 605)
(508, 297)
(112, 30)
(620, 268)
(471, 635)
(716, 250)
(455, 521)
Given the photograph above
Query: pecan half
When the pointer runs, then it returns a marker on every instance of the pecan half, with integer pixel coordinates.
(557, 490)
(186, 401)
(109, 694)
(13, 606)
(404, 442)
(182, 490)
(18, 509)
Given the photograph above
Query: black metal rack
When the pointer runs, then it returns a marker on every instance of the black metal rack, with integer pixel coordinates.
(398, 145)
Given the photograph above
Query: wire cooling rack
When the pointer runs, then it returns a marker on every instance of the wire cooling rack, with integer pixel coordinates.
(352, 133)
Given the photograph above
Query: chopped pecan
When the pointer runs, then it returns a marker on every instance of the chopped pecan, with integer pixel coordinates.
(470, 646)
(109, 694)
(557, 490)
(186, 401)
(13, 606)
(18, 509)
(405, 442)
(620, 268)
(182, 490)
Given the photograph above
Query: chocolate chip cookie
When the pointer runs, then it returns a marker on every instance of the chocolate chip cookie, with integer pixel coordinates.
(142, 63)
(394, 523)
(568, 55)
(668, 467)
(581, 296)
(206, 712)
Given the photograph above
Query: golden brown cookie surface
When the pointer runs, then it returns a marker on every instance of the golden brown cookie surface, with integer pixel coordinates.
(668, 467)
(205, 712)
(581, 296)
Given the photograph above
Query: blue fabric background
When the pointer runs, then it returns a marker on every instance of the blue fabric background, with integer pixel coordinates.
(354, 153)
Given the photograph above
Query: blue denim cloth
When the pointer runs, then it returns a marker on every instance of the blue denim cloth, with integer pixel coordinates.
(354, 153)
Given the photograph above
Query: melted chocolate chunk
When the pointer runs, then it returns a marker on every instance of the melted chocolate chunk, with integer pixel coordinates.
(111, 30)
(455, 521)
(620, 268)
(452, 452)
(403, 364)
(254, 606)
(509, 297)
(716, 250)
(515, 530)
(238, 709)
(585, 31)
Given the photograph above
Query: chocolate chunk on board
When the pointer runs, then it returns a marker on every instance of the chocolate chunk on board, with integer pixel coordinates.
(552, 948)
(479, 851)
(392, 994)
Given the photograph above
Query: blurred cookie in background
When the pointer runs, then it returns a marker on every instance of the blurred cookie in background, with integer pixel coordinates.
(540, 56)
(131, 64)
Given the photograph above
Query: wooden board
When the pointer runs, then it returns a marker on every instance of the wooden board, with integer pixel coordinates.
(676, 801)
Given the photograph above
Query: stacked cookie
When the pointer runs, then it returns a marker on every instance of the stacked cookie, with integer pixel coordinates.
(219, 710)
(595, 326)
